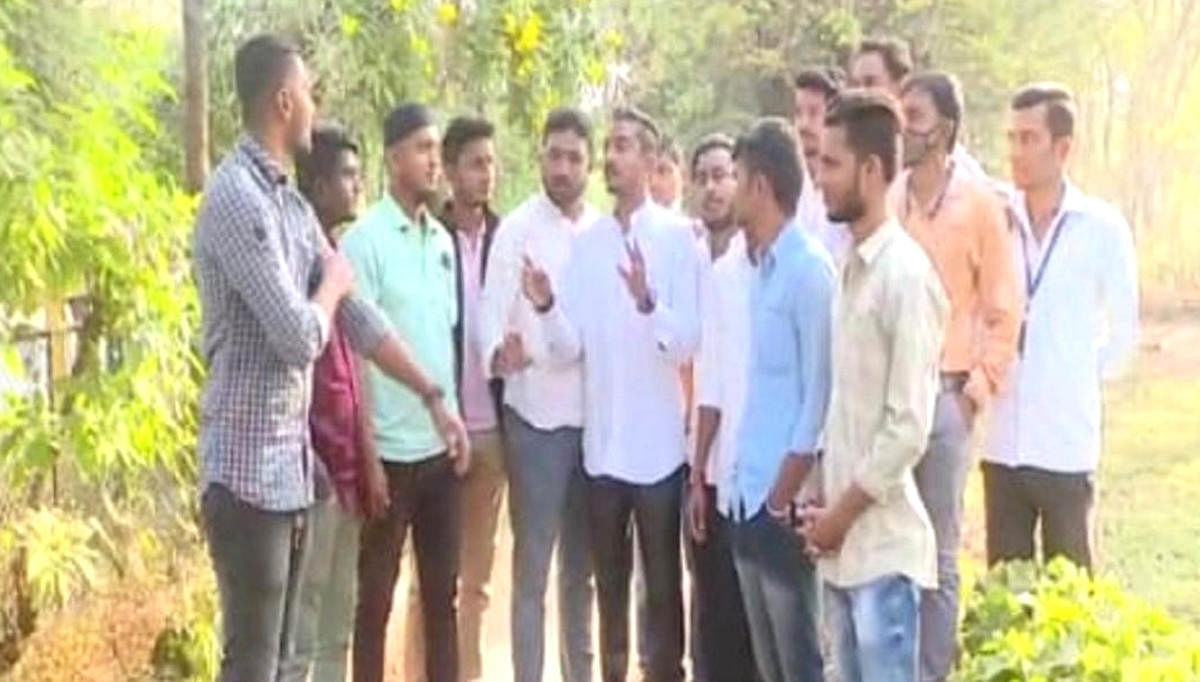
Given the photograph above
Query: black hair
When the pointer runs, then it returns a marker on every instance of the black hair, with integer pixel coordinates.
(769, 149)
(872, 121)
(709, 143)
(946, 93)
(404, 120)
(895, 55)
(462, 131)
(260, 65)
(825, 80)
(649, 136)
(568, 119)
(329, 140)
(1060, 106)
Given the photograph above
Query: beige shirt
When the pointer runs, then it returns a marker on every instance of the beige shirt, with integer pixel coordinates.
(889, 325)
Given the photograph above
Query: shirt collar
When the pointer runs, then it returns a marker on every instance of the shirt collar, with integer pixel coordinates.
(768, 256)
(446, 217)
(268, 169)
(638, 216)
(1073, 201)
(398, 217)
(872, 246)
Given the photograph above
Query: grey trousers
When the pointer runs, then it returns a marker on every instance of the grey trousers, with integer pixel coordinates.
(328, 591)
(1018, 499)
(547, 502)
(259, 559)
(941, 478)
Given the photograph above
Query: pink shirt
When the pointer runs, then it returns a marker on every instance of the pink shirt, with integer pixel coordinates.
(479, 412)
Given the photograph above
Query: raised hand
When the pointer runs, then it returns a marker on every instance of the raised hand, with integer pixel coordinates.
(635, 278)
(535, 284)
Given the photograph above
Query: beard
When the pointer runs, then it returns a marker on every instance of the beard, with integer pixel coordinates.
(852, 209)
(562, 193)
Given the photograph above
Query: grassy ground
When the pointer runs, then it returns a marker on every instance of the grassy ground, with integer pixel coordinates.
(1149, 482)
(1149, 521)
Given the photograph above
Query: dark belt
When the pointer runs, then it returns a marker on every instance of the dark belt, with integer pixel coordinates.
(952, 382)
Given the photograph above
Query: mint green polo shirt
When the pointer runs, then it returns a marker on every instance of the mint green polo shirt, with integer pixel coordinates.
(406, 268)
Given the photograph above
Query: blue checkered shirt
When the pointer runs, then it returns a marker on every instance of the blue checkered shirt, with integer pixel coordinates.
(257, 251)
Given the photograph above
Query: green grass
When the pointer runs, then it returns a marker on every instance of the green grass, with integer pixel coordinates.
(1148, 512)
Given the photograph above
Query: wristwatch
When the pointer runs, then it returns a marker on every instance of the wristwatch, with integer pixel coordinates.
(433, 395)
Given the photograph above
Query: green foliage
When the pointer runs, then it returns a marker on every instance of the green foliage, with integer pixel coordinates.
(84, 212)
(187, 649)
(61, 558)
(1028, 623)
(510, 60)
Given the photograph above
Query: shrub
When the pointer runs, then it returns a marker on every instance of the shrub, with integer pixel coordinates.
(1025, 622)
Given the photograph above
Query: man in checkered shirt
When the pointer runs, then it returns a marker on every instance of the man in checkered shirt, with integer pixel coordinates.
(270, 286)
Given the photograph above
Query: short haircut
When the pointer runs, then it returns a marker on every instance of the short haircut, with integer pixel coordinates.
(462, 131)
(769, 149)
(329, 140)
(669, 149)
(405, 120)
(946, 93)
(894, 52)
(568, 119)
(1060, 106)
(709, 143)
(827, 81)
(649, 134)
(259, 66)
(872, 121)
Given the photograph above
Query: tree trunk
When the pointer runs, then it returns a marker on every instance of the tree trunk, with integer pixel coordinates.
(195, 85)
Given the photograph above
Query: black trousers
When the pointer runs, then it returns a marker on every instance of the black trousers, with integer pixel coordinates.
(615, 508)
(724, 631)
(1017, 499)
(425, 496)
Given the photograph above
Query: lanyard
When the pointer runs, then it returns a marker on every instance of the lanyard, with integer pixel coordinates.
(937, 202)
(1034, 280)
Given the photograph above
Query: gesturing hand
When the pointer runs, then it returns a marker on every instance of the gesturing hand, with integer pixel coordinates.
(510, 357)
(635, 278)
(535, 283)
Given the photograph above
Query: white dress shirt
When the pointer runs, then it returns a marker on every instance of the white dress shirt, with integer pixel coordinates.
(721, 366)
(813, 217)
(546, 394)
(633, 409)
(1081, 326)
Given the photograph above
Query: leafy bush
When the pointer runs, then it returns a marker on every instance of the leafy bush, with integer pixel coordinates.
(1025, 622)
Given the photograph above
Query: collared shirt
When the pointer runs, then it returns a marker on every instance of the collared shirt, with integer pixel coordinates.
(337, 421)
(813, 217)
(1081, 327)
(787, 387)
(965, 234)
(407, 269)
(633, 407)
(721, 365)
(969, 164)
(257, 250)
(547, 394)
(479, 412)
(888, 331)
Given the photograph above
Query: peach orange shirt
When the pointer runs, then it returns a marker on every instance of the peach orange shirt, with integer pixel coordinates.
(965, 233)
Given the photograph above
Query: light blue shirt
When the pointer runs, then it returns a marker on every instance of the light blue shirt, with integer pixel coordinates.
(406, 268)
(787, 394)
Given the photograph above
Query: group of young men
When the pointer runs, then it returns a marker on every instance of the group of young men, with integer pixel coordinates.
(789, 378)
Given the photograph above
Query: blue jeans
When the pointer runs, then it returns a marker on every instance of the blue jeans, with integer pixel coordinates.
(779, 588)
(875, 629)
(547, 504)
